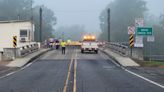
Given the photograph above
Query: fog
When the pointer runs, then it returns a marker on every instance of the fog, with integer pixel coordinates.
(155, 6)
(70, 12)
(86, 12)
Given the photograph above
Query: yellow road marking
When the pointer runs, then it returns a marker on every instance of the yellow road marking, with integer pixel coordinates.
(73, 60)
(75, 71)
(68, 76)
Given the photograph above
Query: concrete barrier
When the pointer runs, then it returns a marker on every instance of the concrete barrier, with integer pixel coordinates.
(12, 53)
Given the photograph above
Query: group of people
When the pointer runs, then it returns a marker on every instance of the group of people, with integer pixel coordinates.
(57, 45)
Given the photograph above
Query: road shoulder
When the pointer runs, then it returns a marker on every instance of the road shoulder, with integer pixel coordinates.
(123, 61)
(20, 62)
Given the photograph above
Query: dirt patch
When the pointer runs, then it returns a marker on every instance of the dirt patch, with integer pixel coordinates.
(161, 66)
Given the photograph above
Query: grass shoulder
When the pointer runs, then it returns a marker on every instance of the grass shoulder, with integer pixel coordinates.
(159, 64)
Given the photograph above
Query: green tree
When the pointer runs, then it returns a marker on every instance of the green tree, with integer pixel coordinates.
(123, 14)
(11, 9)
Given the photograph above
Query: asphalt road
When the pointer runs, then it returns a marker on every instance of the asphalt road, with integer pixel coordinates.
(75, 72)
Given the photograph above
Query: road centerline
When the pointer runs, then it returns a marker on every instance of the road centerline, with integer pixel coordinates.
(73, 63)
(75, 73)
(68, 76)
(75, 76)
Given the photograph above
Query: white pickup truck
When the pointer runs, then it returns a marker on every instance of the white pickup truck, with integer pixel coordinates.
(89, 46)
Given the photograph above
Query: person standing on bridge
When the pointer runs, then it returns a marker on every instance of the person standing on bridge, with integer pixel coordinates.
(63, 45)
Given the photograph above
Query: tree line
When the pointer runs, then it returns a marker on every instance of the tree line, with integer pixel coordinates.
(24, 10)
(123, 14)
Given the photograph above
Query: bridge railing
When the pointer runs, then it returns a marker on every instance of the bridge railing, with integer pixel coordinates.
(119, 48)
(21, 51)
(25, 50)
(123, 49)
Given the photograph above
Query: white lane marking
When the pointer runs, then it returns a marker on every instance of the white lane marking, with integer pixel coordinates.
(7, 75)
(115, 63)
(11, 73)
(28, 65)
(146, 79)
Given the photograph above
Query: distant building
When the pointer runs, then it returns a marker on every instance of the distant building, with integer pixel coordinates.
(24, 30)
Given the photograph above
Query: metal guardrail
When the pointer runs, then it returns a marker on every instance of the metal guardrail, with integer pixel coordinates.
(25, 50)
(119, 48)
(123, 49)
(21, 51)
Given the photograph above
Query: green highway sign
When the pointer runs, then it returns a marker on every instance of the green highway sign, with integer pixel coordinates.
(144, 31)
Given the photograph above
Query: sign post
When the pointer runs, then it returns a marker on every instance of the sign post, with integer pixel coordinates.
(148, 32)
(150, 39)
(131, 44)
(139, 22)
(14, 45)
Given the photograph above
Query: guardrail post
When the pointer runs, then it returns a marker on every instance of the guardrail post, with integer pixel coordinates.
(131, 52)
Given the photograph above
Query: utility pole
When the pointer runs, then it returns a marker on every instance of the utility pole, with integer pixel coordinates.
(32, 19)
(109, 25)
(40, 35)
(18, 17)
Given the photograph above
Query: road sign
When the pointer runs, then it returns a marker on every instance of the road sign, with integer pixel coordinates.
(139, 22)
(138, 41)
(131, 40)
(144, 31)
(150, 38)
(131, 30)
(14, 41)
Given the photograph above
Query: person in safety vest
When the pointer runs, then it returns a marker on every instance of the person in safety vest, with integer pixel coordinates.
(63, 45)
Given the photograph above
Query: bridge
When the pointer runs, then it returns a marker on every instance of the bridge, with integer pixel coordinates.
(48, 70)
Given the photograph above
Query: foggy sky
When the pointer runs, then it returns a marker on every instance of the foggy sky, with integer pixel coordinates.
(86, 12)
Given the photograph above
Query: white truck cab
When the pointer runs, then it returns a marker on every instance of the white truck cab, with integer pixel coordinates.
(89, 44)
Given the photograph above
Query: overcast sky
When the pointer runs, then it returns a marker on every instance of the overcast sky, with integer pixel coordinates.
(86, 12)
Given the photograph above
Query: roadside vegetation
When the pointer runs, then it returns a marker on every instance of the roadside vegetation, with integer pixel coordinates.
(123, 14)
(24, 10)
(158, 64)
